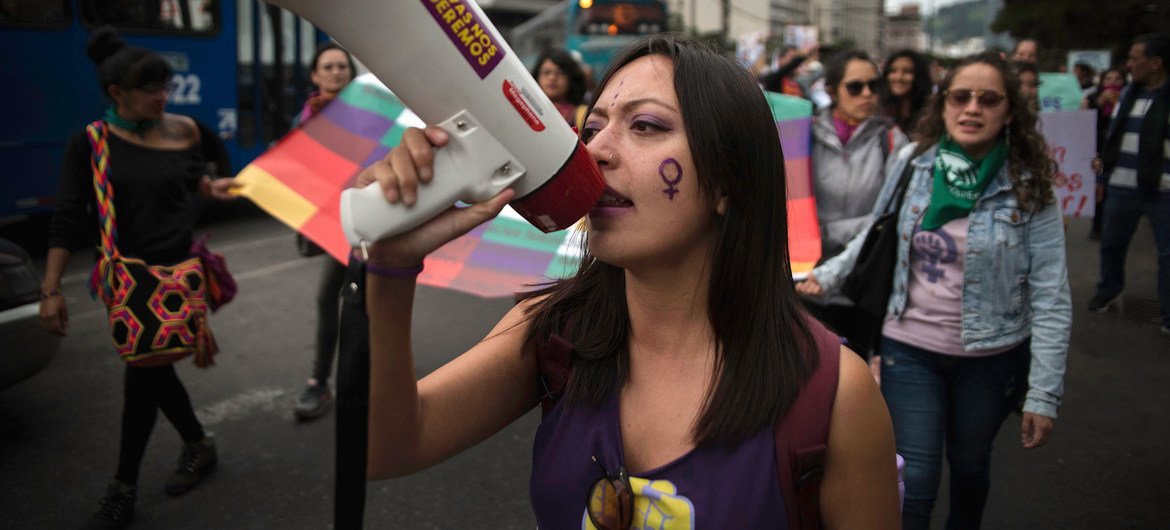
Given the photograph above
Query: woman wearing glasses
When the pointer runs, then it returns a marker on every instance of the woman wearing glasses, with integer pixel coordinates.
(331, 70)
(563, 81)
(690, 342)
(157, 169)
(980, 309)
(851, 146)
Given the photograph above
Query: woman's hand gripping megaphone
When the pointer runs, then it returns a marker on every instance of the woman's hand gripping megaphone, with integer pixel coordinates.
(399, 174)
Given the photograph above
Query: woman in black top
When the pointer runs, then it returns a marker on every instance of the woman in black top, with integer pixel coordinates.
(156, 167)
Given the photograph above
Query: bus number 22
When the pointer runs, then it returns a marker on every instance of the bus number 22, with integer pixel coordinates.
(186, 89)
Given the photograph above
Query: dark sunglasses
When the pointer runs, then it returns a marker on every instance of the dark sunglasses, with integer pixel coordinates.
(611, 501)
(960, 97)
(854, 87)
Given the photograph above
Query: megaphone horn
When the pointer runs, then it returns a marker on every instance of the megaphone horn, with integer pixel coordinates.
(445, 60)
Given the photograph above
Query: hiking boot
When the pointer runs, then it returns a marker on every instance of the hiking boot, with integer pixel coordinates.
(1101, 304)
(314, 402)
(197, 460)
(115, 509)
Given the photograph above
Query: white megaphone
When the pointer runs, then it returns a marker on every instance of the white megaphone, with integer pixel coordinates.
(446, 61)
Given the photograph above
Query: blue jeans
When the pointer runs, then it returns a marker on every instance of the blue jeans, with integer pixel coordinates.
(1123, 209)
(960, 400)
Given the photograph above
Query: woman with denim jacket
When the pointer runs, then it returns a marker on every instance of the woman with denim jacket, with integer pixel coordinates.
(980, 309)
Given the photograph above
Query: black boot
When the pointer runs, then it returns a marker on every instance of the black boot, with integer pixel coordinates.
(115, 509)
(197, 460)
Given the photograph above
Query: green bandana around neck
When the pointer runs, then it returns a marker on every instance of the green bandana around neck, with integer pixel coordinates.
(959, 181)
(141, 126)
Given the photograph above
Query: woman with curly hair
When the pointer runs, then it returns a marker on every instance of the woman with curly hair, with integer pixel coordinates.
(980, 309)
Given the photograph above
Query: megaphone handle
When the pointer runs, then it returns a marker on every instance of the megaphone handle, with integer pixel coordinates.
(366, 216)
(472, 167)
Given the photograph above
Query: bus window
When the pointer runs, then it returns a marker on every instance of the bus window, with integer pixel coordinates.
(274, 49)
(44, 13)
(181, 16)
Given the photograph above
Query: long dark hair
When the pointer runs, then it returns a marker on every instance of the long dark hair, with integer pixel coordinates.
(570, 66)
(919, 90)
(1029, 166)
(764, 345)
(120, 64)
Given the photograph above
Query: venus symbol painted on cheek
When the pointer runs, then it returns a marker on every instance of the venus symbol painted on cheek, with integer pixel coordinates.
(671, 173)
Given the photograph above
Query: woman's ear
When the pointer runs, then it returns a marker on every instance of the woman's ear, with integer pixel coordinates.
(115, 92)
(721, 205)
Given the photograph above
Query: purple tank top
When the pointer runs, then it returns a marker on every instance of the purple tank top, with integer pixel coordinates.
(709, 487)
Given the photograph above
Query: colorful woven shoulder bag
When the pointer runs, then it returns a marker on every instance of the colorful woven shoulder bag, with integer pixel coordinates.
(158, 314)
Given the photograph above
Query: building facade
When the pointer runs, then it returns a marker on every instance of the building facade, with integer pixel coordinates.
(857, 23)
(904, 30)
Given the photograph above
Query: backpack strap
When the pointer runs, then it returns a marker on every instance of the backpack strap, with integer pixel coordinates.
(802, 436)
(554, 360)
(887, 142)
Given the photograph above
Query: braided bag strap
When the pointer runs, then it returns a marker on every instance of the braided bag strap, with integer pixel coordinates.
(101, 281)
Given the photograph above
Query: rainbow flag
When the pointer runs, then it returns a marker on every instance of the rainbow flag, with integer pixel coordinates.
(300, 179)
(793, 118)
(502, 257)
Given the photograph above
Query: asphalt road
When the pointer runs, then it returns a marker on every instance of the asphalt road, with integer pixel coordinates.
(1106, 466)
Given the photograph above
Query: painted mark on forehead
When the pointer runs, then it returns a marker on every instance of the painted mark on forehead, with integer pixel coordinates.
(616, 92)
(671, 173)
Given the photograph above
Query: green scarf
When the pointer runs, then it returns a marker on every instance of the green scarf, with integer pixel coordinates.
(111, 116)
(959, 181)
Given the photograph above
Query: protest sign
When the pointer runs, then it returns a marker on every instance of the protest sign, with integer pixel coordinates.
(1071, 138)
(750, 48)
(800, 36)
(1059, 92)
(1098, 59)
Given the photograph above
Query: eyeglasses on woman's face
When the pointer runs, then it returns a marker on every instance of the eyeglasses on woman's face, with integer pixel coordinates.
(987, 99)
(550, 72)
(611, 500)
(854, 87)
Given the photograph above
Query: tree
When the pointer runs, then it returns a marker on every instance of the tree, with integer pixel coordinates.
(1062, 25)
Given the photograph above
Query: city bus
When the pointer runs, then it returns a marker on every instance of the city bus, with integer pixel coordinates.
(596, 29)
(240, 70)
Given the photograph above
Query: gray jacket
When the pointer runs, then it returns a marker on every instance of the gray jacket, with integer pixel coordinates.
(847, 178)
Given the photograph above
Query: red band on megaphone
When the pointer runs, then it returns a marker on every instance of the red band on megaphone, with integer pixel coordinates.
(567, 196)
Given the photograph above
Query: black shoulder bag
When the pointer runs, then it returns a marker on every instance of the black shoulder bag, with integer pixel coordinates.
(869, 283)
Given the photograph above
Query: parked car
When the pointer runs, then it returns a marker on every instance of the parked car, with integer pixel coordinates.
(25, 348)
